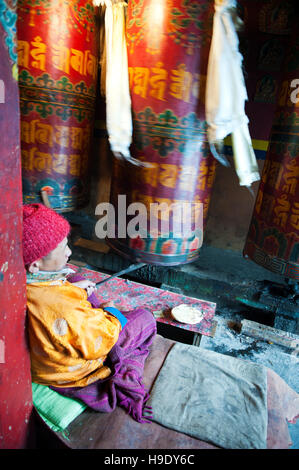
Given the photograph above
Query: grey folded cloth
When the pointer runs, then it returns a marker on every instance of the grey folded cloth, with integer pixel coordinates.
(213, 397)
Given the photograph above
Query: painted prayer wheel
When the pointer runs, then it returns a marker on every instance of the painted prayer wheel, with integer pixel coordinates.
(57, 57)
(264, 40)
(168, 45)
(273, 237)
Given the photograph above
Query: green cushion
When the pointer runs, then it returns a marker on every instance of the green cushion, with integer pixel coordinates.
(56, 410)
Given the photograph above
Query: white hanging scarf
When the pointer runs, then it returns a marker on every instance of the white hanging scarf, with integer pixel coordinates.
(118, 99)
(226, 94)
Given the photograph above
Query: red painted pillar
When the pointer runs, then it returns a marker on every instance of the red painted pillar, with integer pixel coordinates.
(15, 378)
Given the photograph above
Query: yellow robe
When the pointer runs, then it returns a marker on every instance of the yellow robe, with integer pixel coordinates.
(69, 340)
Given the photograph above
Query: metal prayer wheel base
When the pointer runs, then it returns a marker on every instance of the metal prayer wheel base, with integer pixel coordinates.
(57, 202)
(277, 265)
(152, 258)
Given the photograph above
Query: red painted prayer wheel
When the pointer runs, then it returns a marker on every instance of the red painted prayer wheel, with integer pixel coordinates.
(273, 237)
(168, 45)
(57, 57)
(264, 42)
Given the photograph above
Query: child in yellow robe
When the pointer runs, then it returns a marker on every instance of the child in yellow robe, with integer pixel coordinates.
(74, 347)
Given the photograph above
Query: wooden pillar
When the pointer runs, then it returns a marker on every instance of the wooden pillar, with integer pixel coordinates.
(15, 378)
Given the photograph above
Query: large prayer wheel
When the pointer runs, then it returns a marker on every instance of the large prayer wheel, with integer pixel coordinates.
(273, 237)
(264, 40)
(168, 46)
(57, 57)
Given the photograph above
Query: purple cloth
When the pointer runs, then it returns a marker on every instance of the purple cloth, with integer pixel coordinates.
(126, 359)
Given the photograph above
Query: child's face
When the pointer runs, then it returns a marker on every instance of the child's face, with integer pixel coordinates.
(57, 258)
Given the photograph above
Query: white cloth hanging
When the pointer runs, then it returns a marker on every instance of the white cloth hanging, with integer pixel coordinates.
(118, 100)
(226, 94)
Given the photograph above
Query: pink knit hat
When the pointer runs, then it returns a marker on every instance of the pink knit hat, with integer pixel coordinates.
(43, 230)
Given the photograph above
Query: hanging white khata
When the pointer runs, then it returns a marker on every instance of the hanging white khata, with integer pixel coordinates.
(226, 94)
(115, 79)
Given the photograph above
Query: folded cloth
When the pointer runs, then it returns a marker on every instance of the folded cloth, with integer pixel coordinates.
(56, 410)
(215, 398)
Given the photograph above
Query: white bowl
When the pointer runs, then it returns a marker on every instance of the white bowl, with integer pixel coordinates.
(184, 313)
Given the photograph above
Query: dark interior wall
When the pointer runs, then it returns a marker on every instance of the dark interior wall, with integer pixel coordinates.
(230, 210)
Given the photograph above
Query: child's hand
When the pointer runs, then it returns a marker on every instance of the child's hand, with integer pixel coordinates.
(88, 285)
(108, 304)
